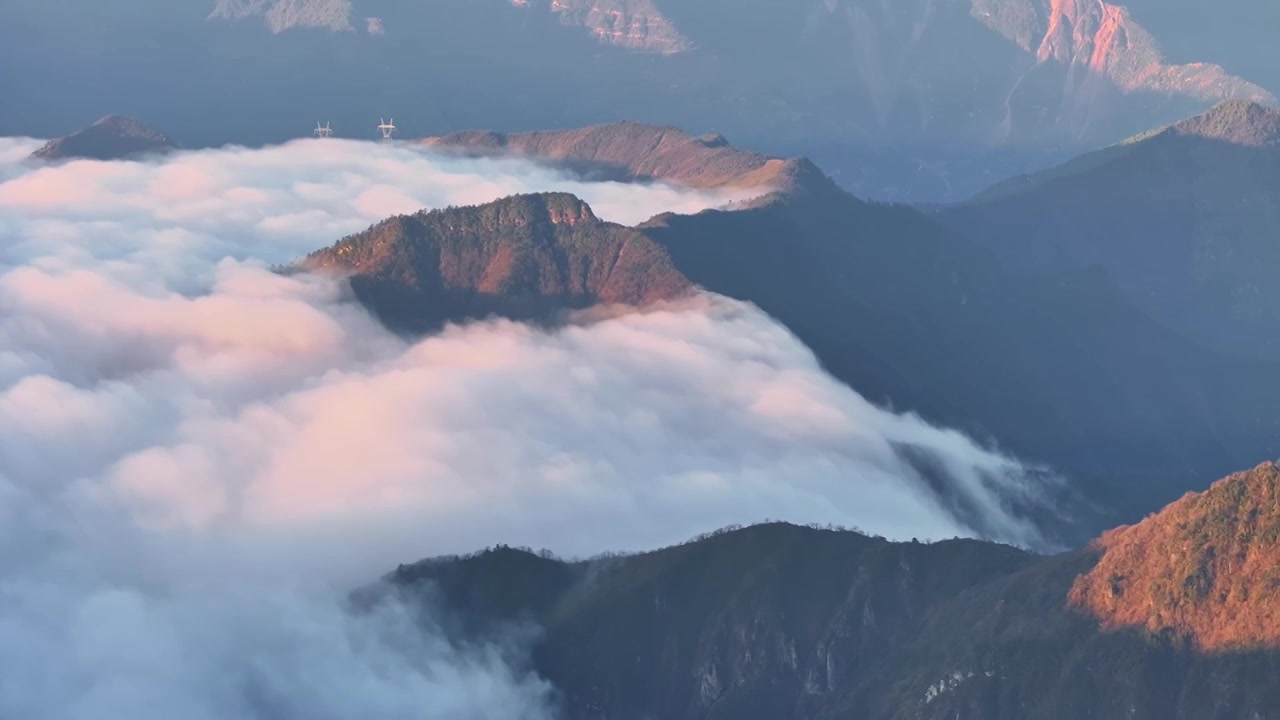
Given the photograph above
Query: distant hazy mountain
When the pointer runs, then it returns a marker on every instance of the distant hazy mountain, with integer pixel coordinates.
(1233, 33)
(917, 98)
(928, 76)
(1186, 219)
(1058, 368)
(631, 151)
(111, 138)
(1175, 617)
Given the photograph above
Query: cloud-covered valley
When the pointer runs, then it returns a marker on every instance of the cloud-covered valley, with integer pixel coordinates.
(198, 457)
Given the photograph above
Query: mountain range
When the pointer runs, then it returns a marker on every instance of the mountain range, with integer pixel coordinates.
(910, 308)
(1108, 319)
(638, 152)
(1174, 617)
(1084, 282)
(1058, 367)
(922, 99)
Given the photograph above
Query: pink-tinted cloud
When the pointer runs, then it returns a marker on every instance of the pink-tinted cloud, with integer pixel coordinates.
(198, 455)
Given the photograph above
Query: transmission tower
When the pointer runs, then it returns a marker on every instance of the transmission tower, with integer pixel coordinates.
(323, 132)
(387, 128)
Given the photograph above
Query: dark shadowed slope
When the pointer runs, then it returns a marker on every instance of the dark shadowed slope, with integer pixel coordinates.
(778, 621)
(1057, 368)
(1185, 219)
(638, 151)
(526, 256)
(757, 623)
(111, 138)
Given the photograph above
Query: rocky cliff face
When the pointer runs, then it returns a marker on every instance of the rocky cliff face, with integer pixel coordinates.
(1103, 40)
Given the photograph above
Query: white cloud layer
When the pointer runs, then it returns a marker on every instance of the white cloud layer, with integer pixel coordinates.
(197, 456)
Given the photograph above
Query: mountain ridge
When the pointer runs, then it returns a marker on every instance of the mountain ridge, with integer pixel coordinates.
(113, 137)
(633, 151)
(1179, 215)
(783, 621)
(1238, 122)
(524, 256)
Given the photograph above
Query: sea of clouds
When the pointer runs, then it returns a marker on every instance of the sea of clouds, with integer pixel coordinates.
(199, 458)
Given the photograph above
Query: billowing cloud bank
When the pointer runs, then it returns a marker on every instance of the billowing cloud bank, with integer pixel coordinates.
(197, 456)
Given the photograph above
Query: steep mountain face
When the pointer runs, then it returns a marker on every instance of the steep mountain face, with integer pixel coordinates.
(110, 138)
(525, 256)
(1101, 40)
(1183, 218)
(630, 151)
(778, 621)
(1207, 567)
(928, 99)
(1233, 33)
